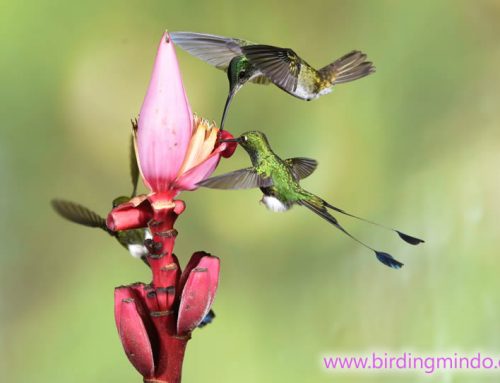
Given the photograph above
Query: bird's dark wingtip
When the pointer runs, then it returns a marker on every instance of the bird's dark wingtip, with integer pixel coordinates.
(409, 239)
(388, 260)
(208, 319)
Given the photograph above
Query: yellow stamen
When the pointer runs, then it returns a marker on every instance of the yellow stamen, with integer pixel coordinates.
(201, 145)
(209, 144)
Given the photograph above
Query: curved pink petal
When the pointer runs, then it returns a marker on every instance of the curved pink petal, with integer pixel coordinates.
(165, 121)
(198, 294)
(133, 214)
(193, 262)
(195, 301)
(132, 331)
(188, 180)
(212, 264)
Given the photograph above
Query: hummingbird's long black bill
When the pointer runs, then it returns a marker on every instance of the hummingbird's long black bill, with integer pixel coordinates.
(383, 257)
(405, 237)
(226, 107)
(237, 139)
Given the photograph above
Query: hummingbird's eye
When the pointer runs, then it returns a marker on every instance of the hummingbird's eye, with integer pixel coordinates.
(245, 138)
(242, 74)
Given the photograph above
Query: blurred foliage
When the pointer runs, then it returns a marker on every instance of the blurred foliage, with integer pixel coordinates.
(415, 146)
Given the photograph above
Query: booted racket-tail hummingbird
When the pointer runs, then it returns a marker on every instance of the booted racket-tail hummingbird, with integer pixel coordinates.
(279, 182)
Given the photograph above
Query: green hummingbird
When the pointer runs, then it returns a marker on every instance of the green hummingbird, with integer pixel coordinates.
(132, 240)
(263, 64)
(279, 181)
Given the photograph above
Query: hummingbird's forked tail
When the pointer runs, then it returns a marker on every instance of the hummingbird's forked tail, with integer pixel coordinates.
(317, 205)
(348, 68)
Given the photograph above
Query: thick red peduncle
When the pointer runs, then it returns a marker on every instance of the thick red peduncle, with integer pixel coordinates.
(164, 265)
(166, 271)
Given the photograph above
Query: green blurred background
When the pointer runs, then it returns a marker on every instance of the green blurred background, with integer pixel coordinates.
(415, 146)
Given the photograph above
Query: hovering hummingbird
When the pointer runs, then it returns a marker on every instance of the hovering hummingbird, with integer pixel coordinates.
(279, 181)
(263, 64)
(132, 240)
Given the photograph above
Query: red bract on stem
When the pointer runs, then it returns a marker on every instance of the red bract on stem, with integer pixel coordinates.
(175, 150)
(155, 323)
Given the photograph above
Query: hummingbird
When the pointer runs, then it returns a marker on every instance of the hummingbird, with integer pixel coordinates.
(263, 64)
(279, 182)
(132, 240)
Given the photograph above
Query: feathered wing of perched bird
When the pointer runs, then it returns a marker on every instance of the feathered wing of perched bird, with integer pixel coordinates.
(132, 240)
(263, 64)
(279, 181)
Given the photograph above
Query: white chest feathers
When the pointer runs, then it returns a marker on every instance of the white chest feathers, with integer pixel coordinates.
(274, 204)
(137, 250)
(325, 91)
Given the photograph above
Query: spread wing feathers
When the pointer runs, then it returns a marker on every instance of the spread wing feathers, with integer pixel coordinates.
(348, 68)
(280, 65)
(302, 167)
(261, 80)
(79, 214)
(215, 50)
(239, 179)
(134, 167)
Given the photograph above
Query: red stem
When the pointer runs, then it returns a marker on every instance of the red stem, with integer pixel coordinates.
(170, 348)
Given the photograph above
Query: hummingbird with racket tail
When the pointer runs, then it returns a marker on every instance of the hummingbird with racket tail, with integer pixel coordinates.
(279, 181)
(245, 61)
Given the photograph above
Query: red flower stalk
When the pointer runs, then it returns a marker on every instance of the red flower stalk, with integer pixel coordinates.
(155, 339)
(175, 151)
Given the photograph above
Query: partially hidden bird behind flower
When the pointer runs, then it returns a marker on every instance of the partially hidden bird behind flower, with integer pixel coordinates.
(132, 240)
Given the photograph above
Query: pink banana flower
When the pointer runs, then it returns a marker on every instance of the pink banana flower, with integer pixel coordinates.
(175, 150)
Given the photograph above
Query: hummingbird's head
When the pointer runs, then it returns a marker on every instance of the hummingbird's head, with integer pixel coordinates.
(119, 200)
(253, 141)
(238, 73)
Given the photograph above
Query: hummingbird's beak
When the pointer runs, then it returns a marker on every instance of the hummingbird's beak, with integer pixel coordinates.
(237, 140)
(230, 96)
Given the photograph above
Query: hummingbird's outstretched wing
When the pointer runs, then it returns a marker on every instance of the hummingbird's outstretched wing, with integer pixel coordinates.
(79, 214)
(215, 50)
(134, 167)
(280, 65)
(302, 167)
(247, 178)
